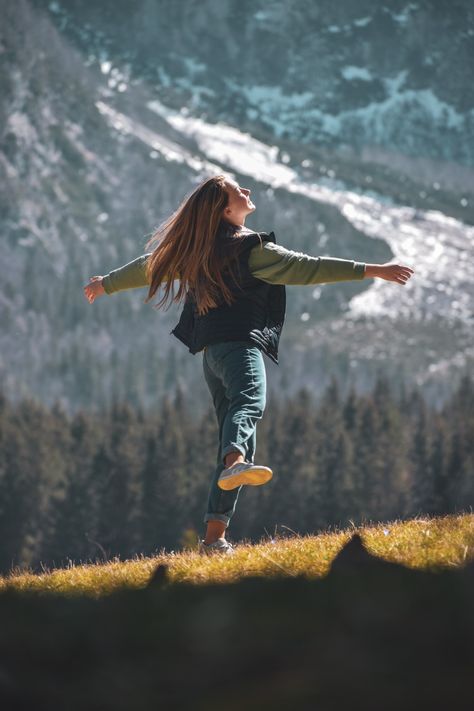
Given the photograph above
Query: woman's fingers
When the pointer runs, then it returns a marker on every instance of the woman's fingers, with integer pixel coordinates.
(94, 288)
(402, 273)
(89, 293)
(398, 273)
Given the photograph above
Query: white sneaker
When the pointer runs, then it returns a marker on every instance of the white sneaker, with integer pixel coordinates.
(244, 473)
(219, 546)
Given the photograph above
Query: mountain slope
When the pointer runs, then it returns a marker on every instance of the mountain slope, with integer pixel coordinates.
(92, 160)
(345, 75)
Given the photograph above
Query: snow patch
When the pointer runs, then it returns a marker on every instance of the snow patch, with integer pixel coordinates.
(169, 150)
(376, 119)
(20, 124)
(403, 16)
(393, 84)
(362, 21)
(255, 94)
(352, 72)
(228, 145)
(193, 66)
(273, 105)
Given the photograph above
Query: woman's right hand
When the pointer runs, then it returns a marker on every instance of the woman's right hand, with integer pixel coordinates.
(398, 273)
(94, 288)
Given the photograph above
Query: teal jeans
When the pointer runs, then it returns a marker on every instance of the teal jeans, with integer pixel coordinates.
(236, 377)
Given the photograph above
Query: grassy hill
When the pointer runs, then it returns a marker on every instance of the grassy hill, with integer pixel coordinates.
(422, 543)
(304, 622)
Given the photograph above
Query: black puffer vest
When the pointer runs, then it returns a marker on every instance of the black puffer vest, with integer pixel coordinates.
(256, 315)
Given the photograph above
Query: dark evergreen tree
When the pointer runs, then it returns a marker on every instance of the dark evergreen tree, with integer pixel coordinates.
(75, 514)
(351, 411)
(422, 492)
(292, 485)
(120, 494)
(165, 481)
(439, 468)
(334, 475)
(369, 463)
(24, 457)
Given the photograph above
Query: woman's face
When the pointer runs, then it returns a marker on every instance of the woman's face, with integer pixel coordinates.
(239, 205)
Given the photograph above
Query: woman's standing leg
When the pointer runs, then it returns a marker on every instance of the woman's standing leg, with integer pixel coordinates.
(221, 503)
(235, 374)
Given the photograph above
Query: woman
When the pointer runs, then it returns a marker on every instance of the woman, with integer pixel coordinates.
(232, 282)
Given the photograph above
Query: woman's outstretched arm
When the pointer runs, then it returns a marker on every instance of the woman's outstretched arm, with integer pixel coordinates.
(131, 276)
(277, 265)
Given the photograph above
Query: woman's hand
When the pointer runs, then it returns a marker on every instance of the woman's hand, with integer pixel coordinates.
(94, 288)
(390, 272)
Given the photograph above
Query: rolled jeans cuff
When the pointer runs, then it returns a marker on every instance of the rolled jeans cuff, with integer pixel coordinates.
(232, 448)
(217, 517)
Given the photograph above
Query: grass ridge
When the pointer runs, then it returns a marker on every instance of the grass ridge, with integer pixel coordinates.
(426, 543)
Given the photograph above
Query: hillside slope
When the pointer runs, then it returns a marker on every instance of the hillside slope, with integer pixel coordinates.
(423, 543)
(370, 635)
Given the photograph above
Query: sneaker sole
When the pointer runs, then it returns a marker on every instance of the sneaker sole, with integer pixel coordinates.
(252, 477)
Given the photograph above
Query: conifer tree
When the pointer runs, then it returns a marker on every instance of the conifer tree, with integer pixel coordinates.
(118, 528)
(298, 463)
(165, 480)
(369, 471)
(24, 456)
(439, 468)
(422, 491)
(351, 411)
(75, 515)
(333, 457)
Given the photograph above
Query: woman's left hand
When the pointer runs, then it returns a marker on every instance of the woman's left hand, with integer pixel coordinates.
(94, 288)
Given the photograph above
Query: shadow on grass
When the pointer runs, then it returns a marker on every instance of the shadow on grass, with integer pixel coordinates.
(371, 635)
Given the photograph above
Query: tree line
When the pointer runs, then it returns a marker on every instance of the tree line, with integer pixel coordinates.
(93, 486)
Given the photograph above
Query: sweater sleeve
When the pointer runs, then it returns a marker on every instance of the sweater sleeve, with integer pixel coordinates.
(130, 276)
(277, 265)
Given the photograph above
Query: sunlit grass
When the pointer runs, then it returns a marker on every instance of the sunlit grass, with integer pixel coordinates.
(425, 543)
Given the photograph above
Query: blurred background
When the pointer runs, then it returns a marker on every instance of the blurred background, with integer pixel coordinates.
(352, 124)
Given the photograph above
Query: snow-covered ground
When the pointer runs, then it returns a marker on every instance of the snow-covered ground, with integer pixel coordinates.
(437, 247)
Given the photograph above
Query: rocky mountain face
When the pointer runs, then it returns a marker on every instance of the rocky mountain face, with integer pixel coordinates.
(111, 113)
(347, 75)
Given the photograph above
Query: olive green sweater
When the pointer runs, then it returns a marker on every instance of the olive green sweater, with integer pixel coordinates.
(271, 263)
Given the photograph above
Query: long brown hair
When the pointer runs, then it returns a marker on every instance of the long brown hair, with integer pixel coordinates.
(187, 248)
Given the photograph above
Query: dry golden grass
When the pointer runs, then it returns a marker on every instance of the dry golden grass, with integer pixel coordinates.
(427, 543)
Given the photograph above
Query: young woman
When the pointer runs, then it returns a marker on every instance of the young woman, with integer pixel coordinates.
(232, 282)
